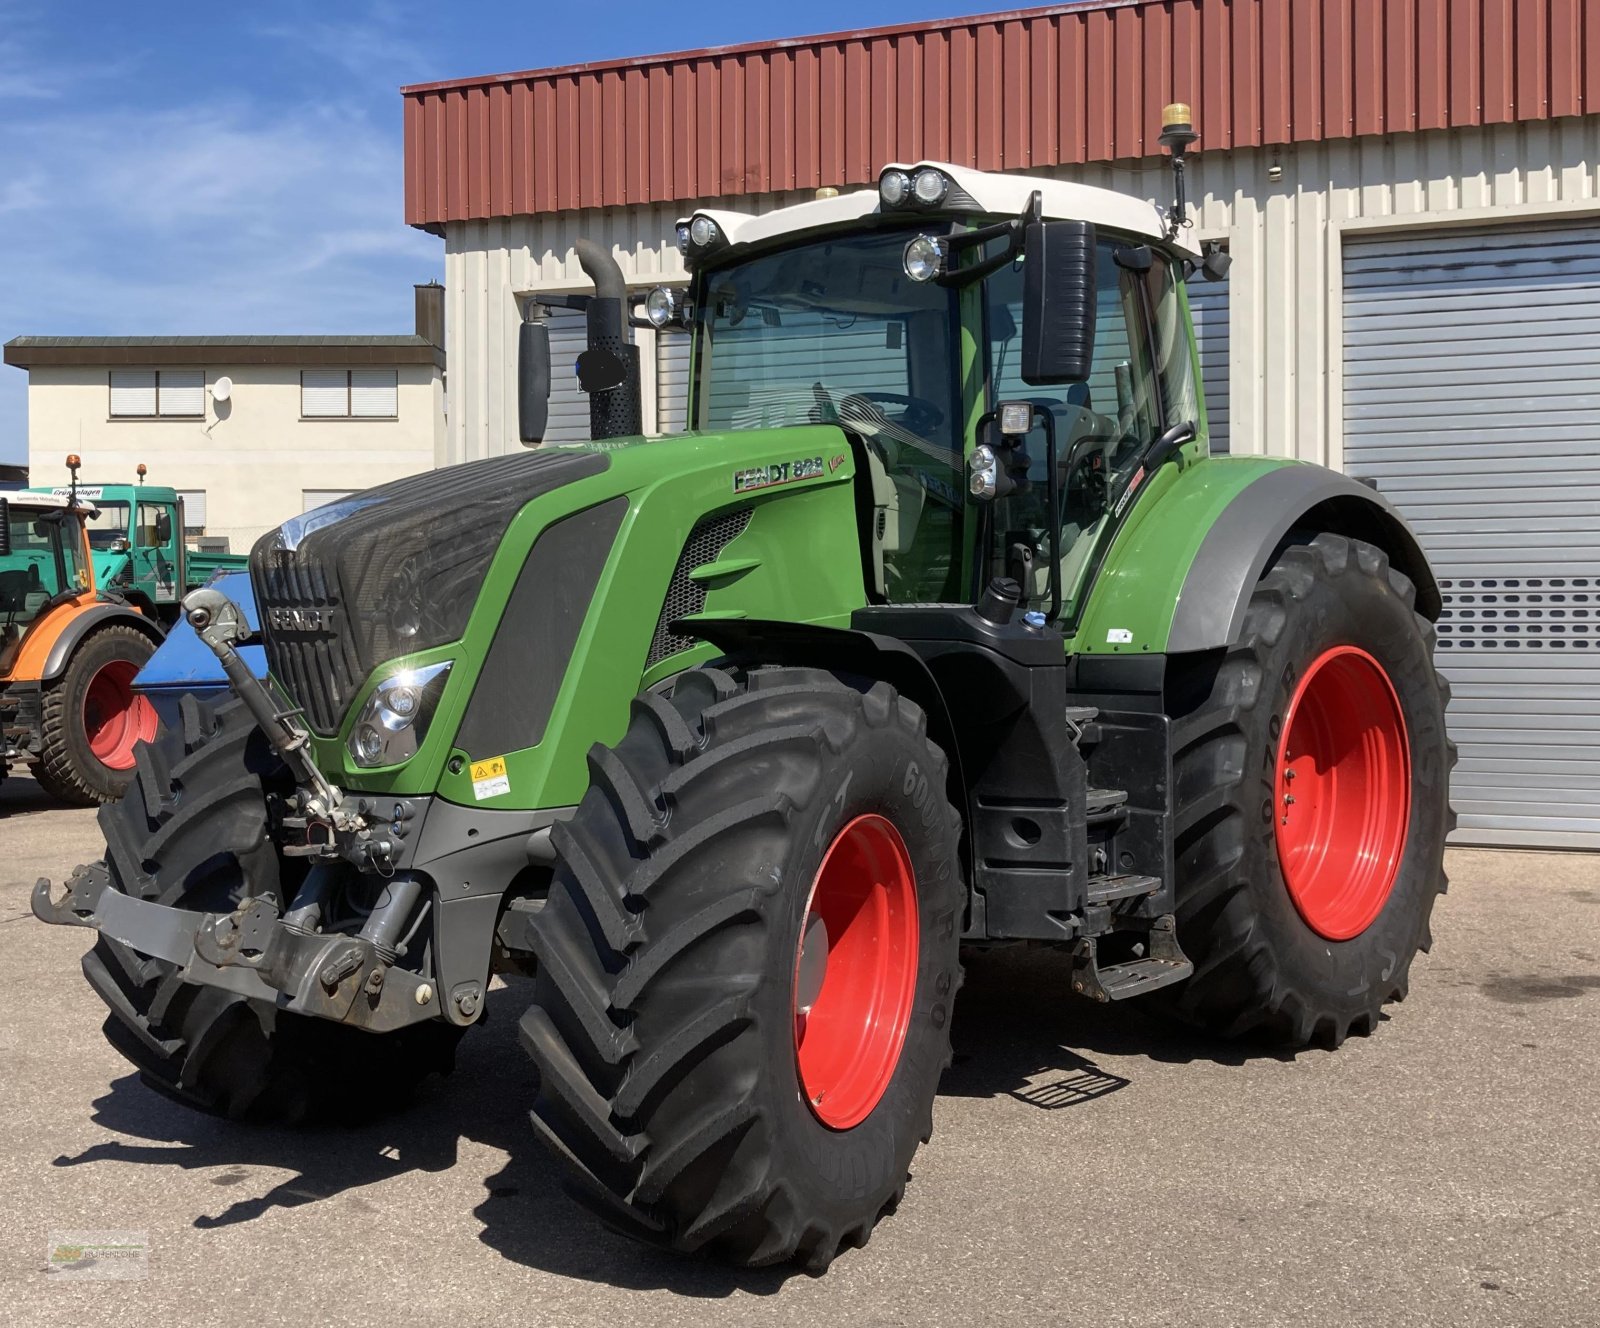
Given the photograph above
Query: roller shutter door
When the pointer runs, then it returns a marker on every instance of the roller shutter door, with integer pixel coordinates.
(569, 404)
(1208, 306)
(672, 380)
(1472, 396)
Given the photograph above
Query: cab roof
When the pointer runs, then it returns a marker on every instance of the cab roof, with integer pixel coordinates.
(976, 193)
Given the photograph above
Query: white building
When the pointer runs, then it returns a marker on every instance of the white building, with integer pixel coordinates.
(1410, 192)
(251, 430)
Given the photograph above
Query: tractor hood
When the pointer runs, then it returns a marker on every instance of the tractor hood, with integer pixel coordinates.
(390, 571)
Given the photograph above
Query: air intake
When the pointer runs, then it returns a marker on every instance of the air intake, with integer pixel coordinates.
(705, 544)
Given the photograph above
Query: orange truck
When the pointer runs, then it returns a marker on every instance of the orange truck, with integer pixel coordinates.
(69, 651)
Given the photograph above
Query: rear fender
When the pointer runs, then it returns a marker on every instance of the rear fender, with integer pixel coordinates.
(1179, 576)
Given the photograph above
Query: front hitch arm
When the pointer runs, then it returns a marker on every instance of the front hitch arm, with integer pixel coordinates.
(221, 626)
(252, 952)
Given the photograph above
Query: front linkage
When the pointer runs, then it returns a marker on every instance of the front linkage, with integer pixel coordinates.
(260, 953)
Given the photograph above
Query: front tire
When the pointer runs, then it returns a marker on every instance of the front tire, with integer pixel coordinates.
(1311, 778)
(747, 965)
(193, 832)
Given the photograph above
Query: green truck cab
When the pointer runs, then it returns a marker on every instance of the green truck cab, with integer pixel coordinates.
(136, 541)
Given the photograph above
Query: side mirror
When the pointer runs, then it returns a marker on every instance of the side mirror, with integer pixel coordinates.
(533, 382)
(163, 527)
(5, 527)
(1059, 302)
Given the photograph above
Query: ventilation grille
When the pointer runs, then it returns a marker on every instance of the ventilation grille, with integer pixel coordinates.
(684, 597)
(1521, 613)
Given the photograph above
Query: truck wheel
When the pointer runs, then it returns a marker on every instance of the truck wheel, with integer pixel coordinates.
(1311, 776)
(93, 719)
(747, 965)
(191, 831)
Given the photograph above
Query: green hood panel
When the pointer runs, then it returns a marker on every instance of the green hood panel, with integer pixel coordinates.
(796, 558)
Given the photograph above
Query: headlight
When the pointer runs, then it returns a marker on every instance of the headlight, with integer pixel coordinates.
(983, 472)
(683, 237)
(664, 306)
(894, 188)
(930, 186)
(924, 258)
(703, 231)
(395, 718)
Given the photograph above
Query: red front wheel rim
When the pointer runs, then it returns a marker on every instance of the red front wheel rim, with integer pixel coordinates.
(115, 717)
(1343, 793)
(855, 973)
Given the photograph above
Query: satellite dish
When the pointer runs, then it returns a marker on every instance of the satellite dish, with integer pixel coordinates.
(222, 389)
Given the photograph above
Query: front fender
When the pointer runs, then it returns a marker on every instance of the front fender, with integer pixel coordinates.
(89, 620)
(1179, 575)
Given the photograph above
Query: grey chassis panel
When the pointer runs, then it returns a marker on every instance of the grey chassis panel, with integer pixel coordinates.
(102, 615)
(1234, 554)
(472, 855)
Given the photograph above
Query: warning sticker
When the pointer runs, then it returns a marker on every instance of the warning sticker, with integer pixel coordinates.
(489, 778)
(1119, 636)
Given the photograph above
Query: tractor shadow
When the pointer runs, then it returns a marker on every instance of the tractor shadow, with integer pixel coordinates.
(1017, 1033)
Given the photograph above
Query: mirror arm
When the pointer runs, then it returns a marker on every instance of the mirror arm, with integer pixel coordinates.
(1013, 231)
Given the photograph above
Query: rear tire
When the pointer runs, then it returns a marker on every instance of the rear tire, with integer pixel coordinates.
(1291, 942)
(92, 718)
(677, 1064)
(191, 832)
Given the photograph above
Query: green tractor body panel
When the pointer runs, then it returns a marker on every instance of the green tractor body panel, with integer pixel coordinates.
(797, 559)
(1132, 599)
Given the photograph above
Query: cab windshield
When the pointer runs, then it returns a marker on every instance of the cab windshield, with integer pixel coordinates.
(42, 564)
(834, 332)
(108, 528)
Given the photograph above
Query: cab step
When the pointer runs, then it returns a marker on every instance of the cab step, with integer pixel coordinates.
(1104, 804)
(1106, 889)
(1163, 965)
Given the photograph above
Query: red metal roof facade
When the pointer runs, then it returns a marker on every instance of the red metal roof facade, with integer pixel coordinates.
(1040, 87)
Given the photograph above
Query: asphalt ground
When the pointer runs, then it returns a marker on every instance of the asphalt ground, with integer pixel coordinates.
(1088, 1165)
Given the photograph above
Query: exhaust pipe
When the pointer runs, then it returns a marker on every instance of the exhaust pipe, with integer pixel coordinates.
(611, 376)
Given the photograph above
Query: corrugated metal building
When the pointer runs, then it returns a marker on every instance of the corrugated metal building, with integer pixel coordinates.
(1408, 188)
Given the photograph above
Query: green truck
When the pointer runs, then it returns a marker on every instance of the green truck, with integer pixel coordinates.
(940, 630)
(136, 536)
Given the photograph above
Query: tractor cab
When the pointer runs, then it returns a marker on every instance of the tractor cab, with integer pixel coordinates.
(43, 562)
(1010, 355)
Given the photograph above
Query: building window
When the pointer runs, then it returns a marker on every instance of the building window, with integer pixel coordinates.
(315, 498)
(194, 512)
(342, 394)
(148, 394)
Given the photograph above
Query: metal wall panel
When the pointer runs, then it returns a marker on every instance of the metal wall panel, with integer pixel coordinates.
(1472, 395)
(1062, 85)
(1282, 234)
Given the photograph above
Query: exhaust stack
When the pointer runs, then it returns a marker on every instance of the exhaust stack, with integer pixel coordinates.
(609, 371)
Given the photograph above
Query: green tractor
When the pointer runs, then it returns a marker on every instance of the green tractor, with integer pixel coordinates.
(940, 630)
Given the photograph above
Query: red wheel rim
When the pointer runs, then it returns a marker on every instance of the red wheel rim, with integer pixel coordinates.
(855, 972)
(1343, 794)
(115, 717)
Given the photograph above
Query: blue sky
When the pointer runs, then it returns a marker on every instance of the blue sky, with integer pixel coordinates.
(205, 168)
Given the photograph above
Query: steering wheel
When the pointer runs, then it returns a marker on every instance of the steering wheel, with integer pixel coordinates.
(920, 415)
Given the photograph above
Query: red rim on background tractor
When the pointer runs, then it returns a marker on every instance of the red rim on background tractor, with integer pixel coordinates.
(115, 717)
(855, 972)
(1343, 792)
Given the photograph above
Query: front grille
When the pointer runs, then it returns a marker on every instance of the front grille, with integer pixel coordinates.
(310, 647)
(390, 572)
(705, 544)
